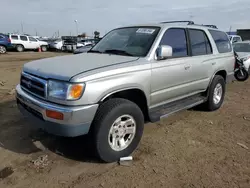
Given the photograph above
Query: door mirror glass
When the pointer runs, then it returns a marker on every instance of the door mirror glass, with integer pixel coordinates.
(164, 51)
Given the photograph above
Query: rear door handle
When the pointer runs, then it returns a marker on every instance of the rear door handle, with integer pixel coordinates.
(214, 63)
(187, 67)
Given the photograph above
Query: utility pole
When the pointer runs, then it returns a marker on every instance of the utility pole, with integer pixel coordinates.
(230, 29)
(22, 27)
(191, 16)
(76, 27)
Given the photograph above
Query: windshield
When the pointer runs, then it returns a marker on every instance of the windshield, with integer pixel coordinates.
(241, 47)
(130, 41)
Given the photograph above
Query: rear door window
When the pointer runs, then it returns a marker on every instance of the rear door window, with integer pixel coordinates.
(200, 44)
(222, 41)
(23, 38)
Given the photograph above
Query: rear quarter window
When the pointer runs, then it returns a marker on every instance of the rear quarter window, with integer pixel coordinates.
(14, 37)
(222, 41)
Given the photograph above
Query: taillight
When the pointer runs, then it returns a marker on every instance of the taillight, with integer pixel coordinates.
(9, 40)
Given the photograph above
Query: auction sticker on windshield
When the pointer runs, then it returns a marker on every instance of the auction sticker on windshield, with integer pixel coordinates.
(145, 31)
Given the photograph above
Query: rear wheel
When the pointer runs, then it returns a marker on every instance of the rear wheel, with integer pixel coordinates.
(216, 93)
(20, 48)
(2, 49)
(241, 75)
(118, 128)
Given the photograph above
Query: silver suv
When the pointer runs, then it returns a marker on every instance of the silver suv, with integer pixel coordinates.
(135, 74)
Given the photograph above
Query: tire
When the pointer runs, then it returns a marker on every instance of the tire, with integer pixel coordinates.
(104, 122)
(3, 49)
(44, 48)
(20, 48)
(220, 84)
(239, 77)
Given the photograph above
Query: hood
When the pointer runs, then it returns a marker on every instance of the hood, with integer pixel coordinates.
(243, 54)
(65, 67)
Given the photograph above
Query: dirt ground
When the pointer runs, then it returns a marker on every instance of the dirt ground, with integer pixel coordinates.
(189, 149)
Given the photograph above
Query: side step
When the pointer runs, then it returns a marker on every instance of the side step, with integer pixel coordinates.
(165, 110)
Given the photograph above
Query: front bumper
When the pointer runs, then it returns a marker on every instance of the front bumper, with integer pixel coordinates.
(77, 119)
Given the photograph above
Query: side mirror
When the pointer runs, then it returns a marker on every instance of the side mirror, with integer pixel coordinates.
(164, 52)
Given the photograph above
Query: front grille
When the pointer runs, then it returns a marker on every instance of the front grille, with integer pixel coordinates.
(33, 85)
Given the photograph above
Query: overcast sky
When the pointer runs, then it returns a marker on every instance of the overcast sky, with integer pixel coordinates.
(48, 16)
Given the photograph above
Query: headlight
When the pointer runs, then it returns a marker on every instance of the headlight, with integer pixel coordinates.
(64, 90)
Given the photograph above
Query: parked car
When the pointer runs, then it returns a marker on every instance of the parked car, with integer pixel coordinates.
(58, 44)
(134, 75)
(243, 51)
(87, 47)
(5, 43)
(83, 49)
(23, 42)
(87, 41)
(235, 38)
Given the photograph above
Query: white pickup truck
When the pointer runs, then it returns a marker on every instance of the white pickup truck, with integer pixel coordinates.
(23, 42)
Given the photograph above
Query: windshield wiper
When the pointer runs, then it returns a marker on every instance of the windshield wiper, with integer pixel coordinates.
(95, 51)
(118, 52)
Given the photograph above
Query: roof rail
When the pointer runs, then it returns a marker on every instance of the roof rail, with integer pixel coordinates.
(191, 23)
(212, 26)
(182, 21)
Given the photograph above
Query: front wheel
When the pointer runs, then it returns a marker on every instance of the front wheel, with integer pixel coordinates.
(241, 75)
(118, 128)
(44, 48)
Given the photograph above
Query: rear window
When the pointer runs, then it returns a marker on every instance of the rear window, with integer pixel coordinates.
(222, 41)
(15, 37)
(1, 37)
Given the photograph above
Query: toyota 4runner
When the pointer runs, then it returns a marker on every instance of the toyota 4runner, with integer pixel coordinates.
(134, 75)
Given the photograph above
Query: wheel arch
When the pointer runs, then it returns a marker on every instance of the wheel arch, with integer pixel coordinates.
(220, 72)
(133, 94)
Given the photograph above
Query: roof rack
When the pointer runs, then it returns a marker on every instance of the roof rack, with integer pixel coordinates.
(189, 22)
(212, 26)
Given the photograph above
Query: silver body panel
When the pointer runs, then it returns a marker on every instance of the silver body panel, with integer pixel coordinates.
(161, 81)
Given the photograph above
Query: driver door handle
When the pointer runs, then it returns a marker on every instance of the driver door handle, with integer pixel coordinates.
(214, 63)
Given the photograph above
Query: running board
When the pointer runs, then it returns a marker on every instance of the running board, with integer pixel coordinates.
(166, 110)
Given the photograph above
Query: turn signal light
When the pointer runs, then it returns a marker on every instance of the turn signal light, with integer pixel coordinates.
(76, 91)
(54, 114)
